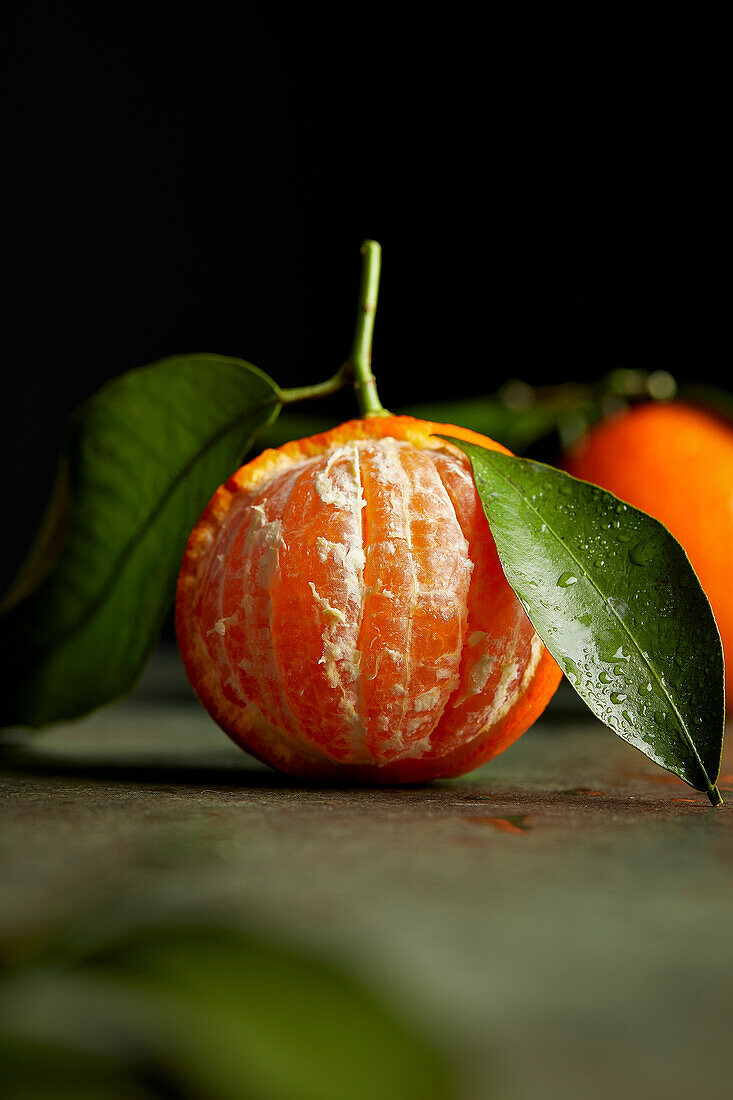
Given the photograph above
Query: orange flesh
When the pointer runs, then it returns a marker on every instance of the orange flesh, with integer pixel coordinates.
(342, 610)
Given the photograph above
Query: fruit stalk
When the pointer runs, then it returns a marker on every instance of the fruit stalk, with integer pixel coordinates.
(360, 360)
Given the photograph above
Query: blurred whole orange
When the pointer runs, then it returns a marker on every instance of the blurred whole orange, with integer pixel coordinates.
(342, 612)
(674, 461)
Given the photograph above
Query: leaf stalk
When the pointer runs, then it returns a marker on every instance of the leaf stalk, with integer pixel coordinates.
(320, 389)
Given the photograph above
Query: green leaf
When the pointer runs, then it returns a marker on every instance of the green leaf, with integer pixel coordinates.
(206, 1012)
(36, 1069)
(614, 598)
(247, 1018)
(139, 462)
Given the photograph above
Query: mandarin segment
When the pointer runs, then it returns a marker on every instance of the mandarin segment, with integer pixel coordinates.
(316, 604)
(415, 610)
(341, 610)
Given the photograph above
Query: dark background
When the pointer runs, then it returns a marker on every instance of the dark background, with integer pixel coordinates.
(550, 197)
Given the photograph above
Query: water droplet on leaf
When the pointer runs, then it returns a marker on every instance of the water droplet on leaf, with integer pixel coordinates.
(571, 670)
(643, 552)
(618, 605)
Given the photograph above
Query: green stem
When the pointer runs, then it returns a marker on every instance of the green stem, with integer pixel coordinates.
(320, 389)
(716, 798)
(360, 360)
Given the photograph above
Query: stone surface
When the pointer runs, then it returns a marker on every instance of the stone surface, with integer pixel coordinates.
(558, 921)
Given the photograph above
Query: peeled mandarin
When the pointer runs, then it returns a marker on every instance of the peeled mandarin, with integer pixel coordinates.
(342, 612)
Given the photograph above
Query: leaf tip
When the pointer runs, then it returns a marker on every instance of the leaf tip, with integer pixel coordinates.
(716, 798)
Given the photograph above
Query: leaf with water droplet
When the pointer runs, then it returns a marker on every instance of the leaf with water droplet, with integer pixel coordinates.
(643, 612)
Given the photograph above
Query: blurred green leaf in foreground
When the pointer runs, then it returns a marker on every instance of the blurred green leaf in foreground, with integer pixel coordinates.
(205, 1013)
